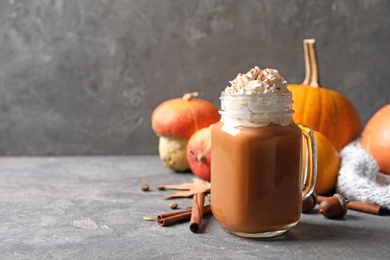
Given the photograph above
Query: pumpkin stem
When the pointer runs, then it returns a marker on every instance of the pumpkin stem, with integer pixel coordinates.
(189, 96)
(201, 158)
(312, 77)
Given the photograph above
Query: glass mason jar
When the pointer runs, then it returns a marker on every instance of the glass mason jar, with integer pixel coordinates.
(257, 151)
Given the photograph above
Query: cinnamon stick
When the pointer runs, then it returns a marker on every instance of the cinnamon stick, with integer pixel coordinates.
(167, 219)
(365, 207)
(197, 212)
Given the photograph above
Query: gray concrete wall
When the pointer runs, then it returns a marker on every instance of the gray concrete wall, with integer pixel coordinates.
(80, 77)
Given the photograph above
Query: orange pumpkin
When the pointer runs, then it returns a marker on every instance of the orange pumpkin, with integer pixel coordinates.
(324, 110)
(376, 138)
(328, 165)
(175, 121)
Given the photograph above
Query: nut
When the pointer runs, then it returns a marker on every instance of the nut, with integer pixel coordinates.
(309, 203)
(334, 207)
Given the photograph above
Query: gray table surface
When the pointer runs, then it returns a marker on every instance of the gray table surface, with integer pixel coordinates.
(93, 208)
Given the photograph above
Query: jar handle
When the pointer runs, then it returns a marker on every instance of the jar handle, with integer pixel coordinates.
(309, 157)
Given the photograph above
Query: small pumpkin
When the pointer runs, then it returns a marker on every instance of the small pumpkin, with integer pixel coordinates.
(376, 138)
(323, 110)
(328, 165)
(175, 121)
(199, 153)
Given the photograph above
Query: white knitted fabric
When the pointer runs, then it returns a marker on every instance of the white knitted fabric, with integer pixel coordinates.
(359, 177)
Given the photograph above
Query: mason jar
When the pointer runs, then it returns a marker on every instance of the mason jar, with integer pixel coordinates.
(263, 164)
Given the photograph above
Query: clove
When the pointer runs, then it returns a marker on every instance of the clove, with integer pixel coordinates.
(144, 187)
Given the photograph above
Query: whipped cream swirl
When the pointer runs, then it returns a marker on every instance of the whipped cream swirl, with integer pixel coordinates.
(258, 81)
(257, 98)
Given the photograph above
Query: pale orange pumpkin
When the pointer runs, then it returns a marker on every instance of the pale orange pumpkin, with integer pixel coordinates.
(376, 138)
(324, 110)
(175, 121)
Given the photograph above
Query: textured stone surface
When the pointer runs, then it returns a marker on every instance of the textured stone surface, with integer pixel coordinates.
(93, 208)
(83, 76)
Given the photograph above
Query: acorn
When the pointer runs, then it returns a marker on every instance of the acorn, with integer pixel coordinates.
(309, 203)
(334, 207)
